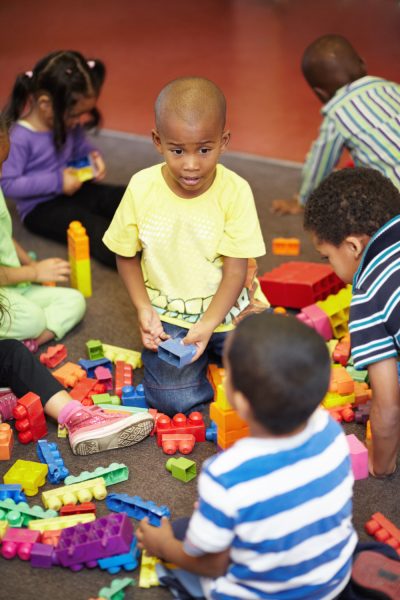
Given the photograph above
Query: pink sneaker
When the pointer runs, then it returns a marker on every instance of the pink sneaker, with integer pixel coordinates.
(91, 430)
(7, 403)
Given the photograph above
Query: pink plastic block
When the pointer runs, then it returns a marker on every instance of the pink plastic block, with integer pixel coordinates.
(359, 457)
(104, 376)
(314, 317)
(18, 541)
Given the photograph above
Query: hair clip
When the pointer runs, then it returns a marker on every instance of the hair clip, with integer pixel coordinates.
(29, 74)
(91, 64)
(68, 71)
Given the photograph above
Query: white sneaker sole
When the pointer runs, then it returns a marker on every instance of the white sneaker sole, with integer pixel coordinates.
(116, 435)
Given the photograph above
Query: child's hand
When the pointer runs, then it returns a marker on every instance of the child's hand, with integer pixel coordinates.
(155, 540)
(71, 183)
(199, 335)
(151, 328)
(51, 269)
(287, 207)
(99, 165)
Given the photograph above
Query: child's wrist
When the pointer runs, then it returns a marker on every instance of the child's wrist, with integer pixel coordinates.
(33, 269)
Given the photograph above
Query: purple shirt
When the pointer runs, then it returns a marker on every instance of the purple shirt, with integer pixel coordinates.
(33, 171)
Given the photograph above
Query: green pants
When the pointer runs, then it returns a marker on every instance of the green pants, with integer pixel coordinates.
(34, 308)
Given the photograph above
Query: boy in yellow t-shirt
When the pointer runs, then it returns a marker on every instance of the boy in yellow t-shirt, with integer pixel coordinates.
(183, 234)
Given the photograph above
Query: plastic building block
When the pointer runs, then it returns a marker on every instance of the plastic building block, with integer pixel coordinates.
(181, 468)
(362, 413)
(177, 442)
(123, 376)
(286, 246)
(215, 375)
(85, 543)
(211, 433)
(127, 561)
(18, 542)
(148, 576)
(81, 390)
(368, 432)
(31, 475)
(56, 523)
(131, 357)
(104, 376)
(79, 258)
(78, 509)
(341, 353)
(226, 420)
(174, 352)
(69, 374)
(359, 457)
(77, 492)
(13, 491)
(342, 413)
(62, 432)
(114, 473)
(50, 537)
(49, 453)
(132, 396)
(3, 528)
(20, 514)
(220, 398)
(299, 284)
(84, 168)
(383, 530)
(105, 399)
(90, 365)
(180, 424)
(42, 556)
(225, 439)
(8, 401)
(6, 441)
(116, 589)
(315, 317)
(137, 508)
(359, 376)
(341, 388)
(29, 418)
(337, 307)
(53, 356)
(94, 349)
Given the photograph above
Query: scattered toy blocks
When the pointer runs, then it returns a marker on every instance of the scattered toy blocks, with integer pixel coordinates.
(383, 530)
(104, 376)
(116, 589)
(137, 508)
(91, 365)
(359, 457)
(174, 352)
(127, 561)
(13, 491)
(18, 542)
(114, 473)
(181, 468)
(20, 514)
(49, 453)
(78, 492)
(29, 418)
(193, 424)
(6, 441)
(31, 475)
(69, 374)
(53, 356)
(79, 258)
(177, 442)
(82, 388)
(286, 246)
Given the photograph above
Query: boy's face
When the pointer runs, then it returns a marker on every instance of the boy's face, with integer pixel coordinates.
(344, 259)
(191, 152)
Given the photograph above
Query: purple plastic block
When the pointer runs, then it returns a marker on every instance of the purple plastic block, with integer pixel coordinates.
(8, 402)
(43, 556)
(85, 543)
(359, 457)
(18, 541)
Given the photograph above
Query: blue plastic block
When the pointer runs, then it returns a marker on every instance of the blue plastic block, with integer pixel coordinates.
(13, 491)
(211, 433)
(128, 561)
(91, 365)
(49, 454)
(80, 163)
(175, 353)
(137, 508)
(134, 397)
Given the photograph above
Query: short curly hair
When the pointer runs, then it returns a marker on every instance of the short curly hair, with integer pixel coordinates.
(350, 202)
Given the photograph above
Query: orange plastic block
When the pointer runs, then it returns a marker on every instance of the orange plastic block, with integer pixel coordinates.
(362, 393)
(123, 376)
(383, 530)
(6, 441)
(29, 417)
(227, 420)
(78, 241)
(368, 432)
(215, 376)
(228, 438)
(341, 382)
(286, 246)
(341, 353)
(69, 374)
(50, 537)
(53, 356)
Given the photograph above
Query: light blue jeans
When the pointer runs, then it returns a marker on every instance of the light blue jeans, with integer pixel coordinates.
(171, 390)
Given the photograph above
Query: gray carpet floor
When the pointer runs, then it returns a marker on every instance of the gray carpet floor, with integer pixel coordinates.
(110, 317)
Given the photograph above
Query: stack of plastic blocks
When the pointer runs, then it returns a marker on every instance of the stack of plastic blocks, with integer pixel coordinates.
(79, 258)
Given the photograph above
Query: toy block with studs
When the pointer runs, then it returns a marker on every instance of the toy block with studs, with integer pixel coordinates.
(77, 492)
(104, 376)
(383, 531)
(79, 258)
(286, 246)
(123, 376)
(20, 514)
(177, 442)
(174, 352)
(31, 475)
(57, 523)
(49, 454)
(127, 561)
(358, 456)
(342, 413)
(131, 357)
(193, 424)
(81, 389)
(114, 473)
(6, 441)
(53, 356)
(18, 542)
(30, 421)
(132, 396)
(42, 556)
(317, 319)
(117, 589)
(94, 349)
(69, 374)
(78, 509)
(137, 508)
(148, 575)
(337, 307)
(13, 491)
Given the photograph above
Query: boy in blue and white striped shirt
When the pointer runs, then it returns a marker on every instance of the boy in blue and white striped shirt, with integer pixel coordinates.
(274, 512)
(354, 220)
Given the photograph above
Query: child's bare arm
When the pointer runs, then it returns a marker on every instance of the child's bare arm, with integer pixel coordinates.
(385, 415)
(161, 542)
(51, 269)
(22, 254)
(232, 282)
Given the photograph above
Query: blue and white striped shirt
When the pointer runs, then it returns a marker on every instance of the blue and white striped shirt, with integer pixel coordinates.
(283, 506)
(374, 321)
(364, 117)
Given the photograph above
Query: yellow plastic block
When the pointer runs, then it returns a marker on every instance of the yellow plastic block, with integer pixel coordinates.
(62, 432)
(226, 420)
(31, 475)
(337, 307)
(220, 398)
(77, 492)
(60, 522)
(215, 376)
(3, 528)
(81, 277)
(114, 353)
(333, 399)
(148, 576)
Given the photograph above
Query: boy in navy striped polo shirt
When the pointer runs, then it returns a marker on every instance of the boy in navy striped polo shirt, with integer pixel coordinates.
(274, 513)
(354, 220)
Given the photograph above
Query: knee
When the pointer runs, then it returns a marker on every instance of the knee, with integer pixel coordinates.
(76, 305)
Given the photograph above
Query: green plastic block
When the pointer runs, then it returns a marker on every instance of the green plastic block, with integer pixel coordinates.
(116, 589)
(94, 349)
(20, 514)
(106, 398)
(182, 468)
(114, 473)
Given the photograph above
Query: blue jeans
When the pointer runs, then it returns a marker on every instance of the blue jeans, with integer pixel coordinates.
(171, 390)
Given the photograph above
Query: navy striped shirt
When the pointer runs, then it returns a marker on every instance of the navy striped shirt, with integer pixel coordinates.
(364, 117)
(374, 321)
(283, 506)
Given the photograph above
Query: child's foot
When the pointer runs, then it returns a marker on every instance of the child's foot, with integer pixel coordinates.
(7, 403)
(32, 345)
(377, 575)
(91, 430)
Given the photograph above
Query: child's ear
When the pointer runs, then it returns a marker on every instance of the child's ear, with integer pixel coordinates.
(242, 406)
(156, 140)
(226, 136)
(357, 244)
(44, 102)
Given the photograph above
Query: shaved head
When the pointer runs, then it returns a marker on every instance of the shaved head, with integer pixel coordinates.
(191, 99)
(331, 62)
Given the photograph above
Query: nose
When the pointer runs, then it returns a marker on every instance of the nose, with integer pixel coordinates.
(191, 162)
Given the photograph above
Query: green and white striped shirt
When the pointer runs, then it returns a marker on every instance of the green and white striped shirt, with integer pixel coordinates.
(364, 117)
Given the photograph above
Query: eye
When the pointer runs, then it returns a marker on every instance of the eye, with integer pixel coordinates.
(177, 151)
(204, 150)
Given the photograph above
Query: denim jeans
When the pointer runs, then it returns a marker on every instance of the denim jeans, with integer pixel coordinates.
(171, 390)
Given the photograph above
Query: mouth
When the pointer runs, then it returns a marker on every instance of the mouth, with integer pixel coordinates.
(190, 180)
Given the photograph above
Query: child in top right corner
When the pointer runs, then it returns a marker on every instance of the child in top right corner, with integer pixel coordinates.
(354, 220)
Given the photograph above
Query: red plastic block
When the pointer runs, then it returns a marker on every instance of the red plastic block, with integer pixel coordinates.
(78, 509)
(298, 284)
(6, 441)
(177, 442)
(54, 356)
(81, 390)
(123, 376)
(29, 419)
(69, 374)
(383, 530)
(342, 413)
(180, 424)
(341, 353)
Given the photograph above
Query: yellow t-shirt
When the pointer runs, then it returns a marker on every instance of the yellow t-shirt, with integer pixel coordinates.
(183, 241)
